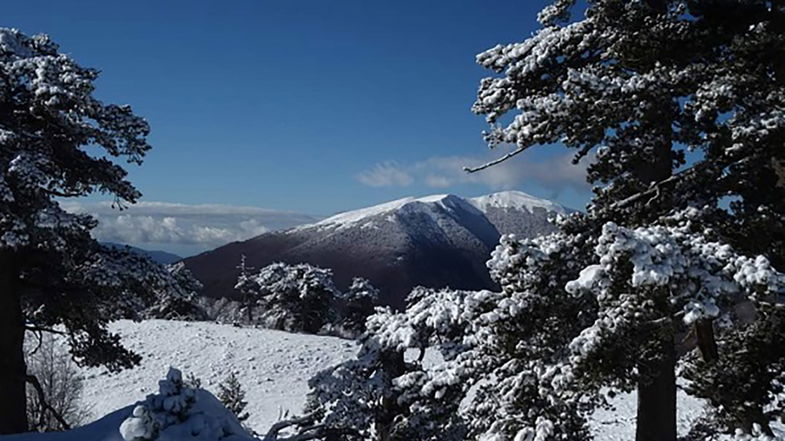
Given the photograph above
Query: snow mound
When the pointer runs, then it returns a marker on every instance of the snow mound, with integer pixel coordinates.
(516, 200)
(180, 412)
(105, 429)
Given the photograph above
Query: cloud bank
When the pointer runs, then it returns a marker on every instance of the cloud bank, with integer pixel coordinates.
(386, 174)
(181, 228)
(555, 173)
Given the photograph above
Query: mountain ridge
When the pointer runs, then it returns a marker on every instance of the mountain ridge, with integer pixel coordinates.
(435, 241)
(158, 256)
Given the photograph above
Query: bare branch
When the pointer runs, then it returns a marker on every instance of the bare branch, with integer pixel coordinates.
(63, 194)
(495, 161)
(655, 188)
(272, 434)
(33, 381)
(40, 337)
(42, 329)
(308, 431)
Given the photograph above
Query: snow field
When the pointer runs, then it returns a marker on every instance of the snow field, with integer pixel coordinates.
(273, 366)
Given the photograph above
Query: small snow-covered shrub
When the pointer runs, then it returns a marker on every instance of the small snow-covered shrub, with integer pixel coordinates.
(232, 395)
(179, 412)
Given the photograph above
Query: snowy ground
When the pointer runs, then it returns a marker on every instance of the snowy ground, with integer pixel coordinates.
(273, 366)
(618, 424)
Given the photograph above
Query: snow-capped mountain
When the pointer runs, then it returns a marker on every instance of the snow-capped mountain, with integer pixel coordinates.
(435, 241)
(515, 212)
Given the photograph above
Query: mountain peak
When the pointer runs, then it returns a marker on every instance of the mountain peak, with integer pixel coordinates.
(515, 199)
(436, 241)
(512, 200)
(346, 218)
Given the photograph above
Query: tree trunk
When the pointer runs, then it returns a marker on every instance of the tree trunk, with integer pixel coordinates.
(13, 413)
(393, 365)
(707, 344)
(656, 419)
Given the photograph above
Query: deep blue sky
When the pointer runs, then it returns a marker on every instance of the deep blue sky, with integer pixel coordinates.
(298, 105)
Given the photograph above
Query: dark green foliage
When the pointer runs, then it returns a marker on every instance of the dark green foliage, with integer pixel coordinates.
(58, 141)
(355, 305)
(232, 395)
(743, 383)
(681, 102)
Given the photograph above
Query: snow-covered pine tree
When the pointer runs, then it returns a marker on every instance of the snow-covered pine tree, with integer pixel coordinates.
(248, 295)
(58, 141)
(232, 396)
(744, 384)
(181, 411)
(682, 101)
(291, 297)
(179, 299)
(355, 305)
(533, 361)
(498, 365)
(390, 392)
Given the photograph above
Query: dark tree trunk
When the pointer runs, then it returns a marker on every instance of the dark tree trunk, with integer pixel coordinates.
(13, 414)
(394, 366)
(656, 419)
(707, 344)
(656, 416)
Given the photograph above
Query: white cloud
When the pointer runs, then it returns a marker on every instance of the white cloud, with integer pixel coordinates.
(183, 228)
(438, 181)
(556, 173)
(386, 174)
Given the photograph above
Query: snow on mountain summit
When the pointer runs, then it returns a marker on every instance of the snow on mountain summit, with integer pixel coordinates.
(445, 201)
(512, 200)
(516, 200)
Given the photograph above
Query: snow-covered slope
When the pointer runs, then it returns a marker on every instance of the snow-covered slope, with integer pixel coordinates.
(436, 241)
(515, 212)
(104, 429)
(273, 366)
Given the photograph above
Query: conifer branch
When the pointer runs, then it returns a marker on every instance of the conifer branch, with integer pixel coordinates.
(495, 161)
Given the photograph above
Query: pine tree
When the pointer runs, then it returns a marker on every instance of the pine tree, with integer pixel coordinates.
(387, 395)
(248, 299)
(58, 141)
(355, 305)
(682, 103)
(232, 395)
(179, 300)
(291, 297)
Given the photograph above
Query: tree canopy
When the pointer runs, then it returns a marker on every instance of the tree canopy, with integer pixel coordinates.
(58, 141)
